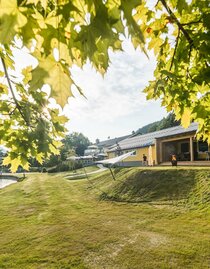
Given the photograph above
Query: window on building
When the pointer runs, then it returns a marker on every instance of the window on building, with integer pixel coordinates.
(134, 153)
(184, 147)
(202, 146)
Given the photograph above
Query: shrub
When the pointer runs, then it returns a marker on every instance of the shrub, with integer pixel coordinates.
(64, 167)
(59, 168)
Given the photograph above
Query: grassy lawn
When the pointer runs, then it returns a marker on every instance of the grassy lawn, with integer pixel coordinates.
(87, 169)
(147, 218)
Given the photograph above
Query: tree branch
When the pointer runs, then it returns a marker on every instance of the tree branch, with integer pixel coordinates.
(10, 113)
(181, 28)
(12, 92)
(191, 22)
(177, 41)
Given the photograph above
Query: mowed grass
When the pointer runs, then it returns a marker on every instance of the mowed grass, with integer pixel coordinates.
(83, 170)
(147, 218)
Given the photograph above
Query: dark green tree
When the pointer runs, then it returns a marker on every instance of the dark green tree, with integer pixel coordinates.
(77, 142)
(73, 144)
(166, 122)
(169, 121)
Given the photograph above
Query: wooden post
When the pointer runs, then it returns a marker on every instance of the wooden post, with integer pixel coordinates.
(161, 152)
(191, 149)
(112, 173)
(156, 152)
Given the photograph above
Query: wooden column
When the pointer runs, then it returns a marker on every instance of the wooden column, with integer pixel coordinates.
(156, 151)
(161, 152)
(191, 150)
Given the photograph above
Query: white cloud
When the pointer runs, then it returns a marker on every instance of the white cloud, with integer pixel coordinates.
(116, 98)
(115, 104)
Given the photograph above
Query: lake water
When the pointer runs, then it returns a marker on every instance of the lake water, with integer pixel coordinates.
(6, 182)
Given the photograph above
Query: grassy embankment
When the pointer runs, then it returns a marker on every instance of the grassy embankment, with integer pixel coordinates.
(83, 170)
(147, 218)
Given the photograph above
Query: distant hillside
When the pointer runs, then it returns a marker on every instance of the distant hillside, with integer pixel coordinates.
(167, 122)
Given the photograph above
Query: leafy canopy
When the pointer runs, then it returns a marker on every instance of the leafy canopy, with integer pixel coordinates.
(82, 30)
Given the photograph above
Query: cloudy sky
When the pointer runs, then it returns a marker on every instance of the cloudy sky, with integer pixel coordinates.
(115, 104)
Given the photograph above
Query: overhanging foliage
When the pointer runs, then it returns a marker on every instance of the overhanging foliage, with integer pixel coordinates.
(82, 30)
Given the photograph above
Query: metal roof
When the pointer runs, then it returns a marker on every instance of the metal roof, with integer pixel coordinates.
(112, 141)
(146, 140)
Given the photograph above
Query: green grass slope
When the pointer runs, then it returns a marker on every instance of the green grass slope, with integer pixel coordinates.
(188, 186)
(161, 221)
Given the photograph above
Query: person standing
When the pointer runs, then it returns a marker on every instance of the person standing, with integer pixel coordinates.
(144, 160)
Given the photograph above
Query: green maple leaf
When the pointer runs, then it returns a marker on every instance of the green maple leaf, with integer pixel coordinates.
(13, 162)
(49, 34)
(7, 28)
(127, 7)
(66, 8)
(7, 160)
(29, 29)
(11, 20)
(44, 3)
(56, 75)
(53, 149)
(26, 72)
(40, 73)
(185, 119)
(40, 157)
(3, 89)
(8, 7)
(60, 82)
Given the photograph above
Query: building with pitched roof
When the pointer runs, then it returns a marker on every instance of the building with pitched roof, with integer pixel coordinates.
(99, 150)
(163, 144)
(103, 146)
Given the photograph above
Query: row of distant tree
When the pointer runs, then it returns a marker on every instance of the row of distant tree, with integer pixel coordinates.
(74, 144)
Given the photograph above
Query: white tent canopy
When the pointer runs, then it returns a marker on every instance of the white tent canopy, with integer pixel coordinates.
(75, 158)
(116, 159)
